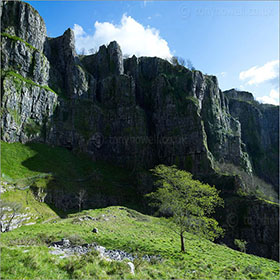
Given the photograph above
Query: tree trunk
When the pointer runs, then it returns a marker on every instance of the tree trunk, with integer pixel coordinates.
(182, 242)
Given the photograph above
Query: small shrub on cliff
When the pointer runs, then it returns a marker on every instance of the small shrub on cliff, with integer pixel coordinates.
(241, 244)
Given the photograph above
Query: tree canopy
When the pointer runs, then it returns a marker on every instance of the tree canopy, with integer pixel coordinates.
(189, 202)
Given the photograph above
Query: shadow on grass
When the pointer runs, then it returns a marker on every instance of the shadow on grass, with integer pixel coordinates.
(75, 182)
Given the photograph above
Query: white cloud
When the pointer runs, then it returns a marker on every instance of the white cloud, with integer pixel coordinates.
(132, 36)
(272, 98)
(268, 76)
(223, 74)
(78, 30)
(269, 72)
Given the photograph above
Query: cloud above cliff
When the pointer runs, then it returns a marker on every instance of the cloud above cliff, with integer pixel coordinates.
(268, 74)
(272, 98)
(133, 37)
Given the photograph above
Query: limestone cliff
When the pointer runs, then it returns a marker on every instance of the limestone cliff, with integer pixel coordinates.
(143, 110)
(260, 133)
(27, 101)
(135, 112)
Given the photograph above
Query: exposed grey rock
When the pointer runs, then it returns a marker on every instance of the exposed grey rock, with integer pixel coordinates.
(12, 220)
(107, 61)
(27, 110)
(115, 58)
(22, 20)
(66, 250)
(223, 131)
(19, 57)
(260, 133)
(132, 268)
(67, 76)
(254, 221)
(95, 230)
(240, 95)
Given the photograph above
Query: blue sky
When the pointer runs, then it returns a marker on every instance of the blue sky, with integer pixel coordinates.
(236, 40)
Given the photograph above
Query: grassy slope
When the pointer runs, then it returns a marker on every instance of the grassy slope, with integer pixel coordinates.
(123, 228)
(16, 174)
(126, 229)
(34, 159)
(43, 166)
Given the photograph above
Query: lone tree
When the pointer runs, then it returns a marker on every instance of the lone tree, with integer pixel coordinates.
(190, 65)
(81, 196)
(178, 61)
(189, 202)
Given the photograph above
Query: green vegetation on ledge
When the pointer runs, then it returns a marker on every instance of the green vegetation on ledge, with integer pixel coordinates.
(23, 79)
(15, 38)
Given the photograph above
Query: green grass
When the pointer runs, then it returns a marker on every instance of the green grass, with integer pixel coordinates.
(45, 167)
(193, 99)
(123, 228)
(24, 250)
(36, 210)
(34, 158)
(25, 80)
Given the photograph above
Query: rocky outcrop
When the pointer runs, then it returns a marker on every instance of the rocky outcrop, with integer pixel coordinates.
(26, 110)
(20, 57)
(67, 77)
(260, 133)
(27, 102)
(254, 221)
(107, 61)
(23, 21)
(136, 112)
(240, 95)
(65, 248)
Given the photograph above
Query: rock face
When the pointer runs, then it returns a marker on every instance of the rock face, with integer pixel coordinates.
(260, 133)
(23, 21)
(27, 101)
(134, 112)
(256, 222)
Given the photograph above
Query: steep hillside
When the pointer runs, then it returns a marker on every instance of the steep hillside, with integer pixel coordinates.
(25, 253)
(48, 180)
(97, 123)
